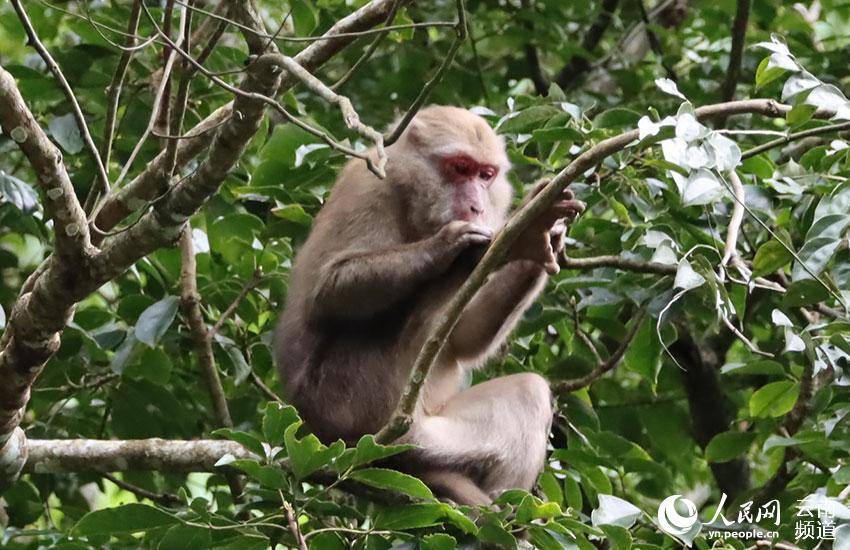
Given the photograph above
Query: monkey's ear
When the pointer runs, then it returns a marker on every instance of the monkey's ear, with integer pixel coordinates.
(416, 132)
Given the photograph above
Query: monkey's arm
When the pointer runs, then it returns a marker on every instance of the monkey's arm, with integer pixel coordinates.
(495, 309)
(357, 284)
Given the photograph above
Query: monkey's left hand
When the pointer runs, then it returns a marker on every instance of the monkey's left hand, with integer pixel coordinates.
(543, 240)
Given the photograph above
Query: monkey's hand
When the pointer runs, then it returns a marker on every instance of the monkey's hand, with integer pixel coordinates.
(543, 240)
(456, 237)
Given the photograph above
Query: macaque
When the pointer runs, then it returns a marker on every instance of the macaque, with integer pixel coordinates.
(383, 259)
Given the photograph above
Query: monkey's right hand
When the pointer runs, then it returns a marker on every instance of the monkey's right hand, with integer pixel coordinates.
(455, 237)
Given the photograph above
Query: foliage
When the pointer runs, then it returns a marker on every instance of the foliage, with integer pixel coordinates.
(692, 410)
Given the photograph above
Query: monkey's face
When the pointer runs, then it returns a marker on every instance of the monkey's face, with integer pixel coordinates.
(456, 169)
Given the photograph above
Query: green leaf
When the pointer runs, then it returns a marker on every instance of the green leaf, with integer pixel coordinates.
(765, 75)
(127, 518)
(65, 131)
(726, 446)
(551, 487)
(619, 537)
(617, 117)
(153, 364)
(774, 399)
(392, 480)
(368, 451)
(155, 320)
(276, 420)
(410, 516)
(245, 439)
(804, 293)
(770, 257)
(308, 454)
(800, 114)
(528, 119)
(643, 356)
(494, 533)
(271, 477)
(438, 541)
(18, 192)
(304, 17)
(758, 165)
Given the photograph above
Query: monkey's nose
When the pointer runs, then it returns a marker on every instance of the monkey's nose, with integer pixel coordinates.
(476, 209)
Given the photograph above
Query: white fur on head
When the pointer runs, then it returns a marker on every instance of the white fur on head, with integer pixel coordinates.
(437, 132)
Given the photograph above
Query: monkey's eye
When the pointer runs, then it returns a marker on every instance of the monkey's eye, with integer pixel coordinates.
(463, 167)
(487, 173)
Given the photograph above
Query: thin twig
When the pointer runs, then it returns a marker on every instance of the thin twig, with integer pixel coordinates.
(113, 98)
(36, 43)
(796, 136)
(293, 523)
(157, 100)
(349, 115)
(495, 255)
(375, 168)
(353, 34)
(369, 50)
(165, 499)
(462, 32)
(264, 389)
(610, 364)
(246, 288)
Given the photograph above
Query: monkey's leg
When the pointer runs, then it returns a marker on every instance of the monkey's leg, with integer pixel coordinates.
(499, 428)
(456, 486)
(495, 309)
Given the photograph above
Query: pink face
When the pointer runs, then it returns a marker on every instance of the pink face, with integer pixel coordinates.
(470, 180)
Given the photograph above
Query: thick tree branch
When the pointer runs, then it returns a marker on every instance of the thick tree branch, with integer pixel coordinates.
(33, 330)
(56, 456)
(498, 249)
(709, 407)
(71, 230)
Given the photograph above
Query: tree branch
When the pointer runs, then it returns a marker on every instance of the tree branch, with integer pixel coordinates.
(35, 42)
(736, 54)
(190, 302)
(70, 227)
(579, 64)
(34, 326)
(608, 365)
(401, 419)
(56, 456)
(152, 183)
(618, 262)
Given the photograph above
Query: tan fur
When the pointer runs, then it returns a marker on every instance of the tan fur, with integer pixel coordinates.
(381, 262)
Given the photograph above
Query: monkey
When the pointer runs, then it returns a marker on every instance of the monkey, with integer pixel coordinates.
(382, 260)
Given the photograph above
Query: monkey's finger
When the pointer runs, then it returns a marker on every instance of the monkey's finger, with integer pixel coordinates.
(476, 229)
(568, 209)
(473, 239)
(568, 194)
(552, 268)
